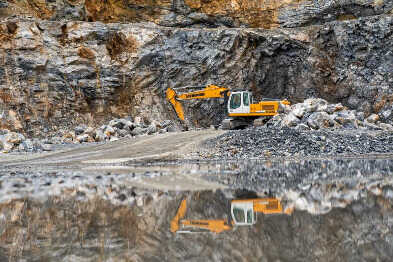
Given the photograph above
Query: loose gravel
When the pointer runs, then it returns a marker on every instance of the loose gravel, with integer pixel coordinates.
(265, 142)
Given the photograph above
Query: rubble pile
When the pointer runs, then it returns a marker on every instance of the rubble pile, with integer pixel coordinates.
(114, 130)
(317, 113)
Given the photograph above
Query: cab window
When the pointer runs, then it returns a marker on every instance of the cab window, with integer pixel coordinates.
(246, 100)
(236, 101)
(239, 215)
(249, 216)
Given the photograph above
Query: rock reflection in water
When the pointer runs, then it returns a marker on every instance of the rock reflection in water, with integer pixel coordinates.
(70, 230)
(343, 211)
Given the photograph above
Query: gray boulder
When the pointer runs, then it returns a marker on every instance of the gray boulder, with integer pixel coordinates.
(302, 127)
(298, 110)
(346, 118)
(113, 138)
(275, 120)
(385, 126)
(46, 147)
(122, 132)
(82, 138)
(370, 126)
(373, 118)
(290, 120)
(138, 131)
(80, 129)
(319, 120)
(171, 128)
(151, 129)
(163, 130)
(4, 145)
(127, 124)
(331, 108)
(360, 116)
(14, 138)
(315, 104)
(117, 123)
(99, 136)
(385, 115)
(283, 109)
(109, 130)
(90, 131)
(165, 123)
(27, 145)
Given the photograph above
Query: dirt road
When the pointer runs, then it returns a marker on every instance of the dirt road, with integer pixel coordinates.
(145, 147)
(88, 161)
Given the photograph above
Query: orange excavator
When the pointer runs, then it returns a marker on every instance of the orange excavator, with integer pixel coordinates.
(243, 213)
(241, 108)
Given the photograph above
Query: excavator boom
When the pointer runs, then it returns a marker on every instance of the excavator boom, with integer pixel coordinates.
(210, 91)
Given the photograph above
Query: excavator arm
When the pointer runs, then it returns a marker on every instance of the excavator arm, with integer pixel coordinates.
(210, 91)
(216, 226)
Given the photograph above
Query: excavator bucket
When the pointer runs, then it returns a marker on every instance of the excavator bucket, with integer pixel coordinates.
(171, 96)
(181, 212)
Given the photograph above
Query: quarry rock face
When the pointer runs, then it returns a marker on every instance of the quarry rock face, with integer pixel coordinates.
(58, 69)
(182, 13)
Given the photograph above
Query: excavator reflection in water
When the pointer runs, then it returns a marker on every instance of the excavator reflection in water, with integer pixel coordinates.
(243, 212)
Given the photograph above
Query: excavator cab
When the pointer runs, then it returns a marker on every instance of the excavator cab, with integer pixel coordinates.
(243, 213)
(239, 102)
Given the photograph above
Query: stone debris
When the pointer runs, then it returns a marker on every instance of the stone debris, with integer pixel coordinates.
(115, 129)
(43, 185)
(281, 141)
(316, 113)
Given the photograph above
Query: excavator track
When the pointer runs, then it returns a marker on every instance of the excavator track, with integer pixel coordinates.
(237, 123)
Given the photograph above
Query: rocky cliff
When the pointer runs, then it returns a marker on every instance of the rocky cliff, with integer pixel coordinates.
(63, 64)
(203, 13)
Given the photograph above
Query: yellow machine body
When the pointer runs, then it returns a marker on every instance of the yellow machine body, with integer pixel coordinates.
(242, 108)
(263, 205)
(264, 108)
